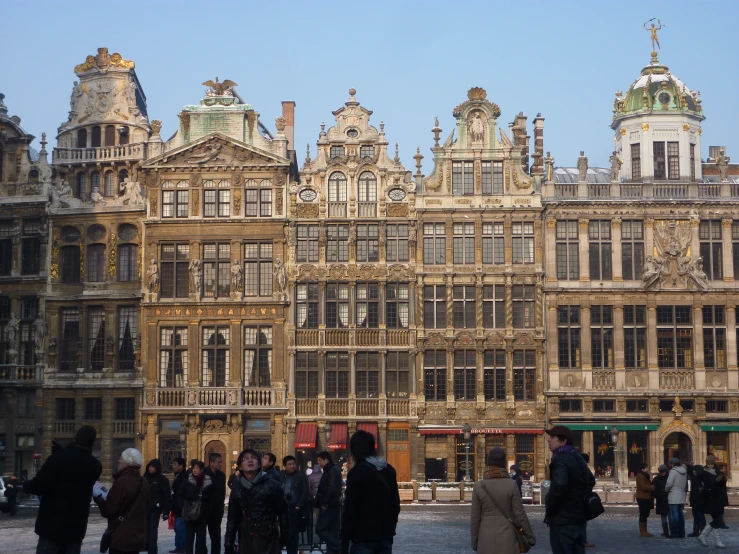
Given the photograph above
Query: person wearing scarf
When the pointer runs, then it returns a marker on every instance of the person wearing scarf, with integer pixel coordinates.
(197, 487)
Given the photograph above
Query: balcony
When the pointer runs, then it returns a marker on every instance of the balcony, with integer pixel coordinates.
(123, 427)
(676, 380)
(67, 427)
(368, 407)
(670, 190)
(368, 209)
(604, 380)
(398, 408)
(397, 338)
(337, 407)
(209, 397)
(335, 337)
(368, 337)
(258, 397)
(306, 407)
(660, 190)
(307, 338)
(25, 375)
(127, 152)
(337, 209)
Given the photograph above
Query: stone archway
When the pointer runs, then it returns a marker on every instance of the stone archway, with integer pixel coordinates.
(678, 445)
(214, 447)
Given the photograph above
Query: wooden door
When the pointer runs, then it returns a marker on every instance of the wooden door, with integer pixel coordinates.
(399, 450)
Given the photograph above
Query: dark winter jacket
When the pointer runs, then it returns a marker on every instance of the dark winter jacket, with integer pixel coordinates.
(329, 489)
(571, 481)
(177, 501)
(190, 490)
(644, 488)
(273, 474)
(695, 476)
(660, 495)
(295, 488)
(371, 503)
(64, 484)
(160, 491)
(11, 492)
(256, 507)
(129, 498)
(218, 496)
(713, 492)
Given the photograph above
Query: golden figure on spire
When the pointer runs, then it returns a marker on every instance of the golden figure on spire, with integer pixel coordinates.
(653, 30)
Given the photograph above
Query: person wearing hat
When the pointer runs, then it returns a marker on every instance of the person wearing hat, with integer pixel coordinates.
(64, 484)
(660, 496)
(490, 528)
(570, 480)
(677, 492)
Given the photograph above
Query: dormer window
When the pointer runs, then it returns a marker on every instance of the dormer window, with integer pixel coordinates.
(352, 133)
(367, 151)
(337, 152)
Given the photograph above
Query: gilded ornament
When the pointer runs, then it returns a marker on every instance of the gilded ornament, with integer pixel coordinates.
(153, 205)
(103, 61)
(397, 210)
(477, 93)
(278, 201)
(112, 256)
(237, 202)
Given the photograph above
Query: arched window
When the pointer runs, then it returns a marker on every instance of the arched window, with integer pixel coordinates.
(122, 176)
(96, 263)
(82, 138)
(33, 176)
(128, 256)
(95, 181)
(96, 137)
(367, 187)
(70, 264)
(81, 185)
(109, 184)
(110, 135)
(337, 187)
(123, 137)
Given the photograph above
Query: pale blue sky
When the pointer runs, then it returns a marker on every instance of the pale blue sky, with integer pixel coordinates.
(408, 60)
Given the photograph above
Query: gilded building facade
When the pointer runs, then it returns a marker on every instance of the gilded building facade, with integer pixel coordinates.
(640, 294)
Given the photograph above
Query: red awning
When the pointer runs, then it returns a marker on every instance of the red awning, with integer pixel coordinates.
(339, 434)
(371, 428)
(305, 435)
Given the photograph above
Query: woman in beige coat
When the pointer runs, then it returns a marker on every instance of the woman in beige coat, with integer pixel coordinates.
(491, 531)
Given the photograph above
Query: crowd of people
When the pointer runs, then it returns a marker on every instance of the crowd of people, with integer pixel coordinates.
(268, 510)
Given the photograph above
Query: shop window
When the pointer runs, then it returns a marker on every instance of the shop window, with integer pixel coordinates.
(637, 450)
(465, 458)
(718, 445)
(603, 457)
(526, 454)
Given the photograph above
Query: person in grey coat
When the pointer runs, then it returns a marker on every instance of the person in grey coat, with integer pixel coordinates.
(677, 492)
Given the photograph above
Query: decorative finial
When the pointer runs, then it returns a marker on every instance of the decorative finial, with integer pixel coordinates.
(218, 88)
(382, 127)
(418, 157)
(436, 130)
(397, 157)
(307, 153)
(3, 107)
(280, 124)
(352, 92)
(323, 129)
(43, 143)
(655, 39)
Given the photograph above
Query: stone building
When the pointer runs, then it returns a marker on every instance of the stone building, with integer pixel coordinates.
(215, 304)
(351, 278)
(96, 208)
(641, 263)
(25, 177)
(478, 303)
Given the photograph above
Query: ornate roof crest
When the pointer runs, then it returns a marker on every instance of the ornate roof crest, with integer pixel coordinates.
(103, 61)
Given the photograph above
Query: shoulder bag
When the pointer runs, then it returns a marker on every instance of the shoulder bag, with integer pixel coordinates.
(592, 502)
(108, 534)
(525, 542)
(193, 509)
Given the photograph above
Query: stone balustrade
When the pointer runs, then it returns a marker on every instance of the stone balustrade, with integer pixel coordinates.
(661, 190)
(22, 374)
(126, 152)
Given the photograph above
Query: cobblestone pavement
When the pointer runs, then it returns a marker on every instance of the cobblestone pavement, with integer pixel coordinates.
(433, 528)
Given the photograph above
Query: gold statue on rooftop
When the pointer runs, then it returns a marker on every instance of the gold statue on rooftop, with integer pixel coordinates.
(218, 88)
(653, 30)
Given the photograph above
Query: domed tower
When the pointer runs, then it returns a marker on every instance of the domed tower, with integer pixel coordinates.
(657, 126)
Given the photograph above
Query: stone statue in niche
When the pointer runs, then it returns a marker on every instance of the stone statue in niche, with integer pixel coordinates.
(582, 166)
(11, 331)
(131, 195)
(280, 272)
(196, 277)
(722, 163)
(477, 128)
(615, 166)
(153, 275)
(39, 332)
(236, 276)
(97, 198)
(61, 197)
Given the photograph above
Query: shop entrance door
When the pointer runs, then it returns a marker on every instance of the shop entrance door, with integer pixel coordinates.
(678, 445)
(399, 450)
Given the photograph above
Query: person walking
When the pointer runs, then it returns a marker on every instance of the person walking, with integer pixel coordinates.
(257, 511)
(217, 500)
(161, 496)
(127, 506)
(715, 498)
(314, 479)
(197, 488)
(372, 501)
(494, 500)
(676, 488)
(295, 488)
(660, 496)
(64, 484)
(328, 501)
(695, 476)
(180, 476)
(516, 476)
(571, 480)
(12, 487)
(644, 498)
(268, 466)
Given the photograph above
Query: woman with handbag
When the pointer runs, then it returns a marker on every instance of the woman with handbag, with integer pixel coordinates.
(195, 496)
(499, 524)
(125, 507)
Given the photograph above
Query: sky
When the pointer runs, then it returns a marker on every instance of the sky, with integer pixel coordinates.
(408, 60)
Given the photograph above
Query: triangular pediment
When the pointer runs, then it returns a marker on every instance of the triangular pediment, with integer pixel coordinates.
(216, 151)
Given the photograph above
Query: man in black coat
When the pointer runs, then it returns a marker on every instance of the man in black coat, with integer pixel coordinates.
(372, 501)
(64, 484)
(328, 501)
(218, 500)
(565, 504)
(12, 488)
(269, 461)
(160, 496)
(180, 477)
(295, 487)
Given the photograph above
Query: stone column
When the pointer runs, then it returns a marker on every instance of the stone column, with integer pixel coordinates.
(584, 257)
(551, 333)
(727, 247)
(585, 346)
(450, 375)
(618, 346)
(698, 360)
(695, 243)
(652, 344)
(731, 355)
(550, 243)
(508, 240)
(616, 254)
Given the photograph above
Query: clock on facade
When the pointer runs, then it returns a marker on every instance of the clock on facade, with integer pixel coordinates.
(396, 194)
(307, 195)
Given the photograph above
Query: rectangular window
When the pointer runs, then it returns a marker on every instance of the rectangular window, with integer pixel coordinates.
(463, 178)
(368, 374)
(337, 375)
(216, 358)
(434, 243)
(632, 249)
(604, 405)
(368, 243)
(434, 306)
(217, 270)
(258, 269)
(494, 378)
(636, 162)
(637, 406)
(464, 243)
(492, 177)
(493, 306)
(336, 152)
(258, 198)
(306, 306)
(367, 305)
(27, 347)
(396, 306)
(635, 337)
(70, 264)
(366, 151)
(6, 256)
(674, 337)
(711, 248)
(96, 338)
(258, 356)
(128, 260)
(524, 375)
(464, 375)
(69, 338)
(673, 160)
(493, 243)
(216, 199)
(337, 243)
(337, 305)
(717, 406)
(524, 306)
(96, 263)
(570, 406)
(175, 203)
(307, 248)
(65, 409)
(93, 409)
(306, 374)
(125, 409)
(692, 162)
(600, 248)
(567, 251)
(714, 337)
(127, 336)
(397, 243)
(660, 168)
(568, 331)
(173, 356)
(397, 375)
(464, 307)
(30, 256)
(523, 243)
(434, 371)
(175, 279)
(601, 336)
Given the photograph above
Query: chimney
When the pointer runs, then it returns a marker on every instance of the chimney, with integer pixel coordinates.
(538, 166)
(288, 112)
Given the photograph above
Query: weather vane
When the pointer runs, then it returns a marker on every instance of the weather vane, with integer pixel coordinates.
(653, 30)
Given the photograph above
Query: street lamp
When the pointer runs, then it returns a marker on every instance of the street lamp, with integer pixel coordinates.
(467, 435)
(183, 439)
(614, 441)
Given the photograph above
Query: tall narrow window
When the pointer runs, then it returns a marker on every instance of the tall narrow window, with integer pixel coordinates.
(4, 317)
(96, 263)
(692, 162)
(464, 307)
(464, 374)
(524, 313)
(464, 243)
(96, 137)
(96, 338)
(128, 331)
(600, 248)
(636, 162)
(337, 195)
(674, 337)
(216, 358)
(216, 198)
(82, 138)
(368, 246)
(65, 409)
(307, 247)
(397, 377)
(492, 177)
(494, 378)
(368, 374)
(81, 191)
(524, 375)
(660, 168)
(306, 374)
(568, 330)
(6, 247)
(434, 306)
(434, 243)
(337, 305)
(367, 306)
(523, 243)
(306, 306)
(173, 361)
(711, 248)
(110, 188)
(217, 270)
(70, 264)
(673, 160)
(26, 350)
(258, 198)
(601, 336)
(463, 178)
(69, 336)
(714, 337)
(396, 306)
(735, 246)
(434, 369)
(367, 187)
(30, 255)
(128, 257)
(337, 374)
(95, 182)
(174, 281)
(397, 243)
(567, 251)
(635, 337)
(493, 306)
(258, 356)
(109, 135)
(632, 249)
(493, 243)
(337, 243)
(175, 199)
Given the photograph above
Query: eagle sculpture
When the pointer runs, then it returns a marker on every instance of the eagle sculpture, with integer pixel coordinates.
(220, 88)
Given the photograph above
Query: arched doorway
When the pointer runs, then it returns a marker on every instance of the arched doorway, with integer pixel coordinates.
(214, 447)
(678, 445)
